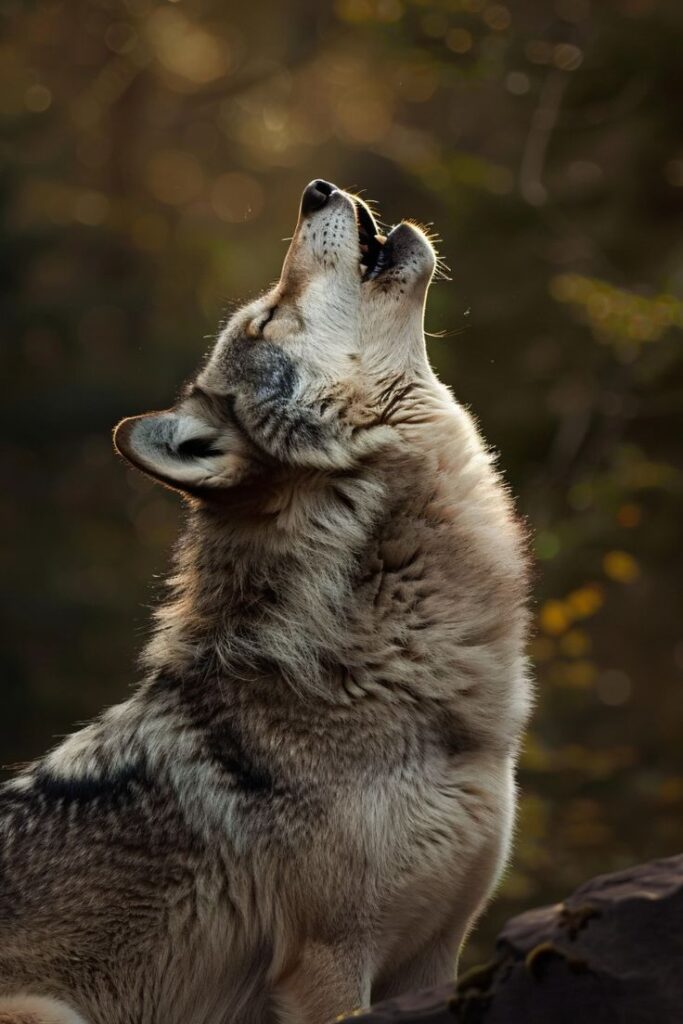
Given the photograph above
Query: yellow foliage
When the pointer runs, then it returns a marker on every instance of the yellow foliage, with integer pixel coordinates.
(586, 600)
(554, 617)
(621, 566)
(617, 316)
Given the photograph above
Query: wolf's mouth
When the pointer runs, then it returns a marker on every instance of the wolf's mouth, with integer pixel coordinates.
(372, 245)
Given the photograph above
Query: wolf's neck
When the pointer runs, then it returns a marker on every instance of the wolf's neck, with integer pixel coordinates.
(277, 602)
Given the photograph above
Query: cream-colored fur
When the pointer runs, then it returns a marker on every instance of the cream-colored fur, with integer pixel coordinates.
(36, 1010)
(308, 800)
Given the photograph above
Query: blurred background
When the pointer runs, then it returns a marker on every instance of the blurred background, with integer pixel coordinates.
(152, 160)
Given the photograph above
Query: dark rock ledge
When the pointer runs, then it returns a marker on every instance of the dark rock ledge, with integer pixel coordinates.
(612, 953)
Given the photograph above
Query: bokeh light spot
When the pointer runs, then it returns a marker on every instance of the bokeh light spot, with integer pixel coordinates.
(621, 566)
(586, 601)
(459, 40)
(517, 83)
(37, 98)
(497, 17)
(186, 48)
(567, 57)
(613, 687)
(554, 617)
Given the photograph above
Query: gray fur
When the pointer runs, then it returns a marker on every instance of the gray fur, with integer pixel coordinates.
(308, 799)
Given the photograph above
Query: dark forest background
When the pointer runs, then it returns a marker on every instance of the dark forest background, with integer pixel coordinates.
(152, 161)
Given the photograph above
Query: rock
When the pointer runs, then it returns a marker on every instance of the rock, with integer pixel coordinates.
(612, 953)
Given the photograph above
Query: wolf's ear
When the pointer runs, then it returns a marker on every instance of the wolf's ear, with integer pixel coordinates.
(184, 452)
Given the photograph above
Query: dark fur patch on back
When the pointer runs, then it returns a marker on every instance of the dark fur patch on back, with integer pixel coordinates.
(109, 787)
(222, 736)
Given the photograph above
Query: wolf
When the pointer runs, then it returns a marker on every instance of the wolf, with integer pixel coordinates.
(308, 799)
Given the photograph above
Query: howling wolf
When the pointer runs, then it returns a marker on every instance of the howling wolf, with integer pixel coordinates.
(308, 799)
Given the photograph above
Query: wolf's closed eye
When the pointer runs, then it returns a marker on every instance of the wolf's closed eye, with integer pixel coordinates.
(259, 323)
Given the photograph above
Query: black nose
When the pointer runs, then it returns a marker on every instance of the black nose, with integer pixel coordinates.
(316, 195)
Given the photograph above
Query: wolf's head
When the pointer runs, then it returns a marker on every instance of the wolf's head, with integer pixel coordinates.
(315, 373)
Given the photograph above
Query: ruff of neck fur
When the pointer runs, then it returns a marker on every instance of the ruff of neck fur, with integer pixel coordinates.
(274, 597)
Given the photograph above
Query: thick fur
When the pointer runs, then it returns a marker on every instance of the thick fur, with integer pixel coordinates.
(308, 799)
